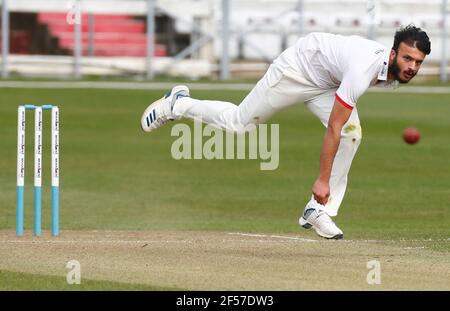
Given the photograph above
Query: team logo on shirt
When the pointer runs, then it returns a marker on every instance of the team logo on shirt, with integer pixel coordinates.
(383, 69)
(379, 51)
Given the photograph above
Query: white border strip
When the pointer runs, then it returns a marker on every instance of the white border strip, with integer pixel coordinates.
(193, 86)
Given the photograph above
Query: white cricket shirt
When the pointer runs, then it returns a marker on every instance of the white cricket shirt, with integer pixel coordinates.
(349, 63)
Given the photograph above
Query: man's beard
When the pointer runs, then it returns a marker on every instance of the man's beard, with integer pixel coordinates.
(394, 69)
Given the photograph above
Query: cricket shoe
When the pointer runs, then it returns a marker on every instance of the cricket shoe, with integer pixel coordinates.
(161, 111)
(321, 222)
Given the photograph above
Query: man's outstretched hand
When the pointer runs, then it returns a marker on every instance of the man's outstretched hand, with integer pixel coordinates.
(338, 117)
(321, 191)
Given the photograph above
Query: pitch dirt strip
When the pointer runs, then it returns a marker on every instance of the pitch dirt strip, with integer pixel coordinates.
(228, 261)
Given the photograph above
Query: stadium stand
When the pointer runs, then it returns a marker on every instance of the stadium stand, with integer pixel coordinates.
(259, 31)
(113, 35)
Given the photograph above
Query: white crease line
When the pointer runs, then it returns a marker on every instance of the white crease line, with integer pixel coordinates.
(271, 236)
(340, 241)
(247, 234)
(123, 85)
(142, 242)
(396, 241)
(256, 235)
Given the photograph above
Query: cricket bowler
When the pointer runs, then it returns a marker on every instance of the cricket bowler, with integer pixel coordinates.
(326, 72)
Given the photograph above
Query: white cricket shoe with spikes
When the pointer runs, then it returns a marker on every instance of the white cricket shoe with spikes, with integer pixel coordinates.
(160, 111)
(321, 222)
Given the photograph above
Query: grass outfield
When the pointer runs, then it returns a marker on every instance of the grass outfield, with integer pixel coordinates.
(27, 281)
(115, 177)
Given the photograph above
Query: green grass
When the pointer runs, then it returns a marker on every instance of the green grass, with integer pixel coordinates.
(113, 176)
(27, 281)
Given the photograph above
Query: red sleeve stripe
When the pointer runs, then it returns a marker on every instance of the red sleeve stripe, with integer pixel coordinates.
(343, 102)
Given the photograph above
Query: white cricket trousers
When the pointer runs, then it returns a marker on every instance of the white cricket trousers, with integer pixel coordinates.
(279, 88)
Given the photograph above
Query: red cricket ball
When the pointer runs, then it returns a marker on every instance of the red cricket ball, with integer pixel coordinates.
(411, 135)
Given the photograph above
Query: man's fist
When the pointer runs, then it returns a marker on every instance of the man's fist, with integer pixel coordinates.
(321, 191)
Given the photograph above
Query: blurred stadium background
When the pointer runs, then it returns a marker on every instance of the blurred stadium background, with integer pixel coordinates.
(144, 39)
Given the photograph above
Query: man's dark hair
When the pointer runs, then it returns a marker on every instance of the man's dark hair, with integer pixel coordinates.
(412, 36)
